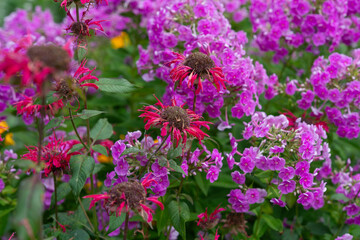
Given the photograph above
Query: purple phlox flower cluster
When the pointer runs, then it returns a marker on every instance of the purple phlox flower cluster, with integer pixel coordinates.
(209, 32)
(38, 26)
(240, 202)
(7, 97)
(333, 91)
(127, 163)
(236, 8)
(211, 163)
(280, 25)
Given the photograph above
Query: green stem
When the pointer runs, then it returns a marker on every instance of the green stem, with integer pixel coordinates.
(126, 225)
(77, 13)
(76, 131)
(56, 207)
(86, 216)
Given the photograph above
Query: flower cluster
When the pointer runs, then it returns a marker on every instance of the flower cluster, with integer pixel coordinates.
(281, 26)
(286, 151)
(332, 92)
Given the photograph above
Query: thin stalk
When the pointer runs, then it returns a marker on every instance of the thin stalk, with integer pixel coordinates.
(56, 207)
(194, 104)
(76, 131)
(180, 187)
(77, 13)
(126, 225)
(86, 216)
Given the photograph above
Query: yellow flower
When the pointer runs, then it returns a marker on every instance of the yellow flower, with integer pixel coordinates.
(122, 136)
(156, 141)
(120, 41)
(104, 159)
(9, 139)
(3, 127)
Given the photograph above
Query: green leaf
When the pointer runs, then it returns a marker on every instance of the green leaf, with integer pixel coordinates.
(29, 208)
(81, 167)
(259, 228)
(115, 222)
(101, 130)
(55, 122)
(317, 228)
(86, 114)
(174, 152)
(23, 164)
(202, 184)
(130, 150)
(176, 219)
(162, 220)
(100, 149)
(114, 85)
(77, 147)
(80, 53)
(62, 191)
(184, 211)
(74, 234)
(274, 223)
(176, 167)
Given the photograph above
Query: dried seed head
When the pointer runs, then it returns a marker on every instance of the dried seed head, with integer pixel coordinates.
(79, 28)
(134, 195)
(200, 63)
(66, 88)
(177, 117)
(50, 55)
(236, 222)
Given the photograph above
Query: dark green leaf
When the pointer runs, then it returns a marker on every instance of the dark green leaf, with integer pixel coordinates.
(259, 228)
(114, 85)
(86, 114)
(202, 184)
(55, 122)
(130, 150)
(162, 220)
(115, 222)
(76, 147)
(274, 223)
(62, 191)
(174, 153)
(80, 53)
(81, 168)
(176, 219)
(100, 149)
(317, 228)
(74, 234)
(176, 168)
(101, 130)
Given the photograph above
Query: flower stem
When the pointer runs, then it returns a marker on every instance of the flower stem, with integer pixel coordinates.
(194, 104)
(126, 225)
(86, 216)
(76, 132)
(56, 207)
(77, 13)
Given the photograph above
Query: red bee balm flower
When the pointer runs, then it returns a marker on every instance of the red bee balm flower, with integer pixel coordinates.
(175, 120)
(197, 66)
(55, 155)
(131, 195)
(209, 221)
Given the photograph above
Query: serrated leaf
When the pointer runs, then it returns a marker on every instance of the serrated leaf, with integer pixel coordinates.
(274, 223)
(86, 114)
(114, 85)
(55, 122)
(176, 167)
(101, 130)
(175, 217)
(80, 53)
(81, 168)
(76, 147)
(74, 234)
(162, 161)
(115, 222)
(174, 153)
(100, 149)
(62, 191)
(184, 211)
(130, 150)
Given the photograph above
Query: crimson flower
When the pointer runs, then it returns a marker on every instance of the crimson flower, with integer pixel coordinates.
(27, 107)
(55, 155)
(174, 120)
(197, 67)
(127, 195)
(84, 74)
(209, 221)
(311, 120)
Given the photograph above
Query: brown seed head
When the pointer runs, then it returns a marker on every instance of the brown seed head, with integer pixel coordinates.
(200, 63)
(177, 117)
(134, 195)
(50, 55)
(79, 28)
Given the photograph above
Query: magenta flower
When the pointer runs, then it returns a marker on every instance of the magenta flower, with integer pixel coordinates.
(276, 163)
(278, 202)
(238, 178)
(246, 164)
(287, 173)
(213, 174)
(351, 209)
(287, 186)
(252, 195)
(306, 180)
(306, 198)
(302, 167)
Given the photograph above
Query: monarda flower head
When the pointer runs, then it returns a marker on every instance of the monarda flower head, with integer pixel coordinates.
(55, 155)
(174, 120)
(128, 195)
(197, 67)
